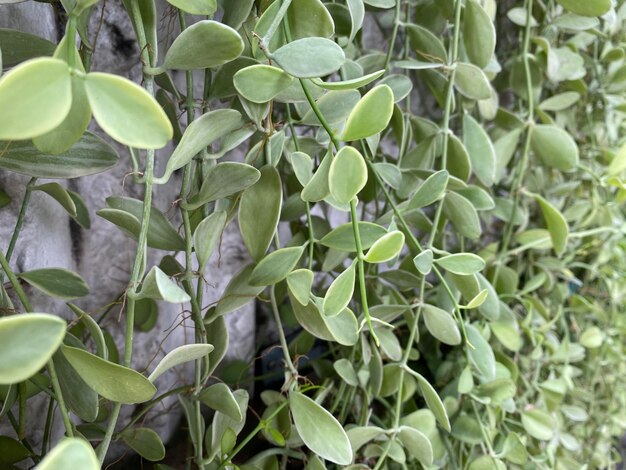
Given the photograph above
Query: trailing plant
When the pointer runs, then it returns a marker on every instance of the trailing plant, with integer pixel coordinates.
(436, 229)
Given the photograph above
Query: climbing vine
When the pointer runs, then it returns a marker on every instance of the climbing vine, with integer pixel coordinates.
(435, 225)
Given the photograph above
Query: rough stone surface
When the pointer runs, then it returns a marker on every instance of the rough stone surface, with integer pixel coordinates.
(103, 255)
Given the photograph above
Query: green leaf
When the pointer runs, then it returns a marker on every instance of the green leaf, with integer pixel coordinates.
(259, 211)
(481, 353)
(480, 149)
(127, 213)
(112, 381)
(276, 266)
(340, 292)
(238, 292)
(200, 134)
(180, 355)
(82, 217)
(261, 83)
(592, 337)
(424, 262)
(386, 247)
(389, 173)
(346, 371)
(35, 97)
(426, 44)
(342, 237)
(458, 164)
(431, 190)
(342, 328)
(351, 84)
(462, 215)
(560, 102)
(223, 180)
(195, 7)
(417, 444)
(347, 175)
(220, 398)
(441, 325)
(587, 7)
(479, 34)
(27, 342)
(12, 451)
(145, 442)
(302, 167)
(554, 147)
(556, 223)
(318, 186)
(310, 18)
(57, 282)
(127, 112)
(539, 424)
(432, 399)
(18, 46)
(59, 194)
(299, 283)
(66, 134)
(319, 430)
(471, 82)
(461, 263)
(205, 44)
(71, 452)
(514, 449)
(158, 286)
(206, 236)
(90, 155)
(79, 398)
(94, 330)
(310, 57)
(371, 115)
(5, 199)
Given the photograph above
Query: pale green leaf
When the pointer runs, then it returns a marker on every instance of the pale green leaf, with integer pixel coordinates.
(371, 115)
(386, 247)
(276, 266)
(319, 430)
(27, 342)
(71, 452)
(127, 112)
(112, 381)
(180, 355)
(347, 175)
(35, 97)
(57, 282)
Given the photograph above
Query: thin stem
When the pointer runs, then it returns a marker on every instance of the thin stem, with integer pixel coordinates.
(394, 34)
(361, 265)
(56, 386)
(21, 216)
(142, 247)
(281, 334)
(250, 436)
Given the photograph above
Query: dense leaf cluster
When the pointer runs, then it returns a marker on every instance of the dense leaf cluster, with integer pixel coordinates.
(443, 219)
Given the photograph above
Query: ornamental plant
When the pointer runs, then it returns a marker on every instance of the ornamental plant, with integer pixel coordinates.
(447, 284)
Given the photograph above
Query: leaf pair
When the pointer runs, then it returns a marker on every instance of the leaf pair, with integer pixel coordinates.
(37, 98)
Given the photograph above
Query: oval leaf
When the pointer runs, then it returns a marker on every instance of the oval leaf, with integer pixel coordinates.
(461, 263)
(347, 175)
(145, 442)
(112, 381)
(35, 97)
(554, 146)
(57, 282)
(27, 342)
(127, 112)
(180, 355)
(310, 57)
(371, 115)
(319, 430)
(386, 247)
(340, 292)
(441, 325)
(70, 453)
(261, 83)
(203, 45)
(275, 266)
(259, 211)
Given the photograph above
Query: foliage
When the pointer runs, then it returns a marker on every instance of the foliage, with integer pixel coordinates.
(451, 214)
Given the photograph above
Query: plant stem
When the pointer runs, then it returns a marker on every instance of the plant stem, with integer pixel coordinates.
(361, 266)
(21, 216)
(142, 247)
(281, 334)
